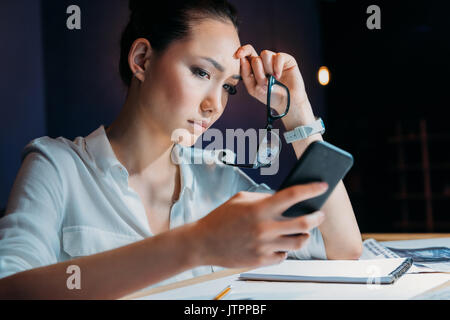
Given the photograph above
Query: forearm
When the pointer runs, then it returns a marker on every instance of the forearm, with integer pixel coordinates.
(340, 229)
(111, 274)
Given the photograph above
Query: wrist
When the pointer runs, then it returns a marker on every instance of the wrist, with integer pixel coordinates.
(196, 245)
(190, 246)
(298, 115)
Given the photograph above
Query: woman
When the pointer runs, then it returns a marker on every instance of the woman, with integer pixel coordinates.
(115, 207)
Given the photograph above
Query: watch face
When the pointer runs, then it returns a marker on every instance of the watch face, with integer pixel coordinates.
(323, 126)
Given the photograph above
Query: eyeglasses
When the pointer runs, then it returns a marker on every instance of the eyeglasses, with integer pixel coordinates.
(270, 146)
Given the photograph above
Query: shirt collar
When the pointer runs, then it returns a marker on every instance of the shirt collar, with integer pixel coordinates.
(99, 147)
(180, 155)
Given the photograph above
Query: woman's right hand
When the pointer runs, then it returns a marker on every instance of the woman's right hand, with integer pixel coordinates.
(249, 230)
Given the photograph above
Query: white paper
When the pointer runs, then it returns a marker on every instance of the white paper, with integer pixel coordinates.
(440, 294)
(333, 268)
(201, 291)
(407, 287)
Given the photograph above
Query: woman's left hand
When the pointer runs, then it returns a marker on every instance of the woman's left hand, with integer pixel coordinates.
(283, 66)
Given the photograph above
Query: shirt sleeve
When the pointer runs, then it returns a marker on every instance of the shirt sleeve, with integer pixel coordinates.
(314, 247)
(29, 232)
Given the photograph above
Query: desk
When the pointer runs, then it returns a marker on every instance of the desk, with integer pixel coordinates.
(403, 236)
(229, 272)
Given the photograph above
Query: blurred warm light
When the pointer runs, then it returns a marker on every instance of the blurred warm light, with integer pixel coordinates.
(324, 76)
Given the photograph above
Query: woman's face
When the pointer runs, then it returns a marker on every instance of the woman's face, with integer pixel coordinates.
(187, 88)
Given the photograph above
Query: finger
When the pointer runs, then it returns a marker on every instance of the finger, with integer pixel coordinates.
(246, 51)
(278, 65)
(267, 60)
(249, 196)
(258, 71)
(247, 75)
(290, 243)
(288, 62)
(301, 224)
(277, 257)
(284, 199)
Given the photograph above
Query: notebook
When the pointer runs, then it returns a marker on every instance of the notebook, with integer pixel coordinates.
(373, 271)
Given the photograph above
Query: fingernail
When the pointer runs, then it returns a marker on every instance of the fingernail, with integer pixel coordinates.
(322, 185)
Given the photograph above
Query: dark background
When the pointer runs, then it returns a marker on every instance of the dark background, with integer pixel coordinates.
(385, 103)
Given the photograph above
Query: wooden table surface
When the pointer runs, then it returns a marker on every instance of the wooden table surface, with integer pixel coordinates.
(229, 272)
(403, 236)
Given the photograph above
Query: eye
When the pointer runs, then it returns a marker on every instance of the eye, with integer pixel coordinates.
(230, 89)
(199, 72)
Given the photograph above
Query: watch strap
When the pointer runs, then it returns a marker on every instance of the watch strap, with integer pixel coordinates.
(303, 132)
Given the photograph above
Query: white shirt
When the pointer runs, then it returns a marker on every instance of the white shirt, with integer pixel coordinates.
(72, 199)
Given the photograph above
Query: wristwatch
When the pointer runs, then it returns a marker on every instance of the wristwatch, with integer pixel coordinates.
(303, 132)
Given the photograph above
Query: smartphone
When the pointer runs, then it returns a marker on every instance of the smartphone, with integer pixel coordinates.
(321, 162)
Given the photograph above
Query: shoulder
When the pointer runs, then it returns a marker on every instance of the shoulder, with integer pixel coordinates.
(43, 174)
(58, 155)
(55, 150)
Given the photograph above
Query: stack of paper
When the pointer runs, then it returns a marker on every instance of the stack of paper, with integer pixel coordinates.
(429, 255)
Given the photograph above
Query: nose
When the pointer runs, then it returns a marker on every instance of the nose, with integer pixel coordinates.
(213, 103)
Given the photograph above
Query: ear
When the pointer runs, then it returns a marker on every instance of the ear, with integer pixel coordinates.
(139, 57)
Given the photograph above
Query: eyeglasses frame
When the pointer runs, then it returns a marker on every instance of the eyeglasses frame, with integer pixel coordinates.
(270, 119)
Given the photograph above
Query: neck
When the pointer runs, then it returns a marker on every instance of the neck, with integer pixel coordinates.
(139, 144)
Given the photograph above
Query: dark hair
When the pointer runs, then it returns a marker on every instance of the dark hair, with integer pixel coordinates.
(166, 22)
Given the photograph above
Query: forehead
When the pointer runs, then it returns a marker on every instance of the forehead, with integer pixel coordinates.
(215, 39)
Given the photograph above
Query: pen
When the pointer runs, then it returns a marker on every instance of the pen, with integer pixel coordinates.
(223, 293)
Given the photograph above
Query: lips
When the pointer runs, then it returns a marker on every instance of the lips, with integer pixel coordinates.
(200, 123)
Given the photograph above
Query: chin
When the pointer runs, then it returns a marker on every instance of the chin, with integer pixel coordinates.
(184, 137)
(188, 143)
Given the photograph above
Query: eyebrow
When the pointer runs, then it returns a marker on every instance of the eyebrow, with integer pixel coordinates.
(219, 67)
